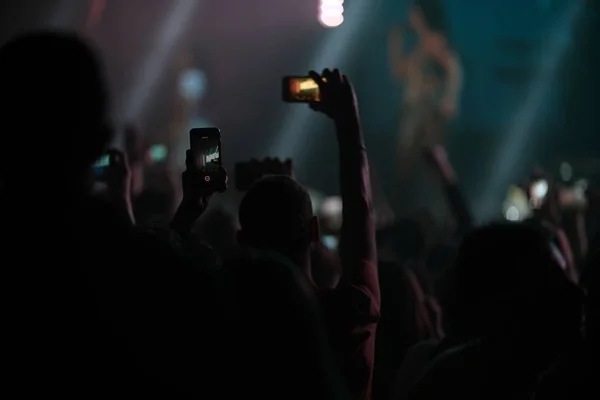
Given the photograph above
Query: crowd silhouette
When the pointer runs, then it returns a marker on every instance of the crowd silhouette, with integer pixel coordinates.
(102, 303)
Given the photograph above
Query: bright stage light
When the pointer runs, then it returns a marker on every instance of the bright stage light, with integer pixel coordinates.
(331, 13)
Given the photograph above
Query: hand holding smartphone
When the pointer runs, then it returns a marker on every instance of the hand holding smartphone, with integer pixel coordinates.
(206, 162)
(205, 144)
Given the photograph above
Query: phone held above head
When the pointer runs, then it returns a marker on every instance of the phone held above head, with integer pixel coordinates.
(205, 144)
(300, 89)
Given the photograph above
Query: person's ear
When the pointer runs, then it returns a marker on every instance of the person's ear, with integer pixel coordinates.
(315, 232)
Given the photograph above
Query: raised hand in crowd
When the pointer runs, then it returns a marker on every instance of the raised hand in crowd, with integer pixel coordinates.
(197, 192)
(357, 241)
(357, 248)
(337, 97)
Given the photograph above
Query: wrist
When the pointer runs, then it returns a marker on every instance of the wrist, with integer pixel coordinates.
(449, 176)
(349, 133)
(347, 120)
(190, 206)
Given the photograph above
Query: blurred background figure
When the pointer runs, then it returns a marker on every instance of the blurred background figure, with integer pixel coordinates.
(431, 76)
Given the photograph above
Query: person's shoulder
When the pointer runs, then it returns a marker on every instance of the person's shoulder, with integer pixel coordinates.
(450, 372)
(569, 378)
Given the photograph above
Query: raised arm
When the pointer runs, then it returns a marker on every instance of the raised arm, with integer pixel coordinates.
(357, 240)
(397, 59)
(438, 159)
(454, 78)
(196, 195)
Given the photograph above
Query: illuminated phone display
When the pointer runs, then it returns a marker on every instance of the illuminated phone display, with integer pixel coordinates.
(205, 144)
(301, 89)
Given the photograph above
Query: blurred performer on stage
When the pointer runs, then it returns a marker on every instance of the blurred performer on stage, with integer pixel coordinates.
(431, 77)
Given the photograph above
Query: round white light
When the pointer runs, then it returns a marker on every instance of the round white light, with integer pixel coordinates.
(331, 20)
(192, 84)
(512, 214)
(331, 13)
(332, 9)
(332, 206)
(539, 189)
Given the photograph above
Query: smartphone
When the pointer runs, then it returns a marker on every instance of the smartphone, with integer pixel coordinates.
(158, 153)
(538, 192)
(205, 144)
(300, 89)
(100, 166)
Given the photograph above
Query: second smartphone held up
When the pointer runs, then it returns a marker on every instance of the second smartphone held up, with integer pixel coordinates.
(205, 144)
(300, 89)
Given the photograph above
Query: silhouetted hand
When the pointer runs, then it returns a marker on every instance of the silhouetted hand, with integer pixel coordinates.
(118, 175)
(337, 98)
(200, 184)
(198, 187)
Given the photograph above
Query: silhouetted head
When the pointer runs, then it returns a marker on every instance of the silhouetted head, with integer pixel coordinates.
(276, 214)
(55, 103)
(506, 282)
